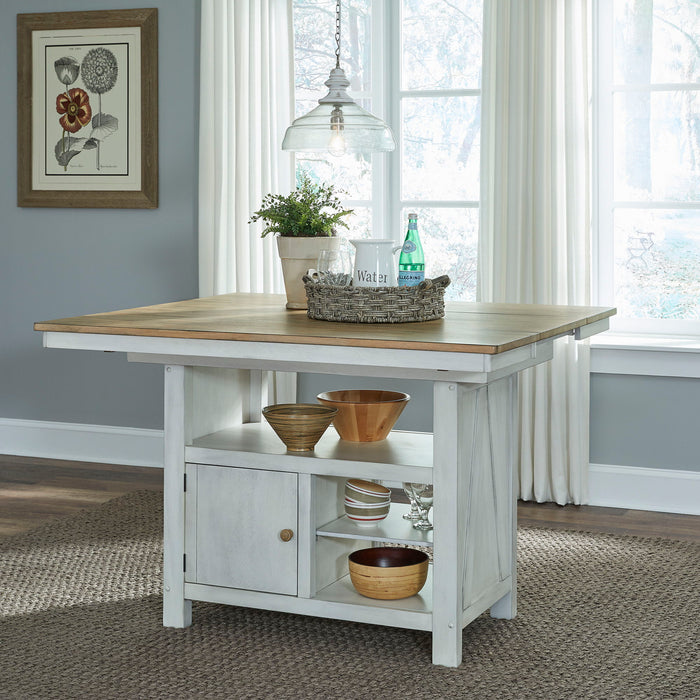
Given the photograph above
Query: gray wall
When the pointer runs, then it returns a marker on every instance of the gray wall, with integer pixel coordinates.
(62, 262)
(645, 421)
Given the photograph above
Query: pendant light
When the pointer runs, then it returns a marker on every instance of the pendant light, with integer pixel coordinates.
(338, 125)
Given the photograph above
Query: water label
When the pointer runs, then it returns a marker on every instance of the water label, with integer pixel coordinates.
(371, 278)
(408, 247)
(410, 278)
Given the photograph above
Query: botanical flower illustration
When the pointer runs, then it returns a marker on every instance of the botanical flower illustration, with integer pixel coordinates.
(100, 70)
(67, 69)
(75, 108)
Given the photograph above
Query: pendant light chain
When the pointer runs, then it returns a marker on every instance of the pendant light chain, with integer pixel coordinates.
(337, 34)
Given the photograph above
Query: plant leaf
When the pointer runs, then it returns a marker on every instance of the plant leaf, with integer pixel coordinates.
(103, 125)
(73, 146)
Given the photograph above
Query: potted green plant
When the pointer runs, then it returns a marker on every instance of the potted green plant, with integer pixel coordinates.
(304, 223)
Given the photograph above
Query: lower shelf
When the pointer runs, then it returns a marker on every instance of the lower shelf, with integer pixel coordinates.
(338, 601)
(342, 591)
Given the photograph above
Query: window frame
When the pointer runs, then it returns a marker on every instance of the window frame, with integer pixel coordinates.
(604, 205)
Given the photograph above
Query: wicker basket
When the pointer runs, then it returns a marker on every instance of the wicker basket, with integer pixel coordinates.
(424, 302)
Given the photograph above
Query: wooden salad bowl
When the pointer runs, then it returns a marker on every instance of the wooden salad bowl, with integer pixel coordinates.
(364, 415)
(388, 573)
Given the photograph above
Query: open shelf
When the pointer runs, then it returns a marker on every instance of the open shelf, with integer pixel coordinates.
(342, 591)
(256, 446)
(392, 529)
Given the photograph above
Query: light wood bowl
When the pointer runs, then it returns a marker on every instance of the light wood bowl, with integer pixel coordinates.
(299, 425)
(388, 573)
(364, 415)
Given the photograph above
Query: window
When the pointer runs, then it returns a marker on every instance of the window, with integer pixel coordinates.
(647, 174)
(417, 64)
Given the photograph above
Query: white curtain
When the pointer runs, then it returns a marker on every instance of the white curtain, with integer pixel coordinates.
(246, 103)
(535, 228)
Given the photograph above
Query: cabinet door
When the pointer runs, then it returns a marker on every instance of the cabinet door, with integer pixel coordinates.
(234, 521)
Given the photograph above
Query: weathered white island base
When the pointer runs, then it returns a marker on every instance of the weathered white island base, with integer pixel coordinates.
(231, 488)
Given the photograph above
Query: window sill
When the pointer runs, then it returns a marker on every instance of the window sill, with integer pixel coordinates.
(650, 355)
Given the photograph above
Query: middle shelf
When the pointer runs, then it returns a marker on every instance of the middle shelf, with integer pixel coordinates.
(256, 446)
(392, 529)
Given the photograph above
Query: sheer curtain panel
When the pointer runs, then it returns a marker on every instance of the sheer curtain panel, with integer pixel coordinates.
(246, 103)
(534, 242)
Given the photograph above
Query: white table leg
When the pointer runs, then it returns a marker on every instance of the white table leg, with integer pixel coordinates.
(507, 606)
(475, 508)
(177, 612)
(449, 523)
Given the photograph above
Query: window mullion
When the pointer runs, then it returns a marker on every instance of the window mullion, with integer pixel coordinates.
(386, 76)
(603, 165)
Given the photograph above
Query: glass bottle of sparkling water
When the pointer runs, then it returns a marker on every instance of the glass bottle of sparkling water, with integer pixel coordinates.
(411, 260)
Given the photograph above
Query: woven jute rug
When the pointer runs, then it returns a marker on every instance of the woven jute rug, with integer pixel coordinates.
(600, 616)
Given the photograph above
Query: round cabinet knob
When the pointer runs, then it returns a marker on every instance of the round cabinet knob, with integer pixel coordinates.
(286, 535)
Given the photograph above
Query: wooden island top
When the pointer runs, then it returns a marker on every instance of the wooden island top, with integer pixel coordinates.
(467, 327)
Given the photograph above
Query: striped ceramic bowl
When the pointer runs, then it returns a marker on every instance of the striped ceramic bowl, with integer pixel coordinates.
(353, 502)
(363, 491)
(366, 514)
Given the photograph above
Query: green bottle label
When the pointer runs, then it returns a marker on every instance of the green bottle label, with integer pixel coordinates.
(410, 278)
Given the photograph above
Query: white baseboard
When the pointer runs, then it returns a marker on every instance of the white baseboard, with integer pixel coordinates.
(82, 443)
(640, 488)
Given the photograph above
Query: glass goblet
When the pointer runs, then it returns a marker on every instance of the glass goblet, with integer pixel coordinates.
(423, 494)
(414, 513)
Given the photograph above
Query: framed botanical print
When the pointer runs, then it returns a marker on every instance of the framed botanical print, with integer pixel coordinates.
(87, 95)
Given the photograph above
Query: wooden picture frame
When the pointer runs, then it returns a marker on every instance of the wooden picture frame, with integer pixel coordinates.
(87, 96)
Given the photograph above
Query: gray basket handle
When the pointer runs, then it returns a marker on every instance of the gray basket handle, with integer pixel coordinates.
(441, 281)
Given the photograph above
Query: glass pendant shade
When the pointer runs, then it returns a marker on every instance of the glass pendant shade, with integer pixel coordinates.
(338, 125)
(359, 131)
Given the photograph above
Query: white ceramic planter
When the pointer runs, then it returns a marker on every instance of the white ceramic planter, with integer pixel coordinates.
(298, 254)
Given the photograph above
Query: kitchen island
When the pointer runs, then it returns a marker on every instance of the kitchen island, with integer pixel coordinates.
(233, 494)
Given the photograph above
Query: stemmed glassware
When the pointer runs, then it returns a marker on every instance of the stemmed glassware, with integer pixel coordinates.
(421, 498)
(423, 493)
(414, 513)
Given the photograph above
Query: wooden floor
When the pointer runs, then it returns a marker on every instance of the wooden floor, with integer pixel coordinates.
(33, 491)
